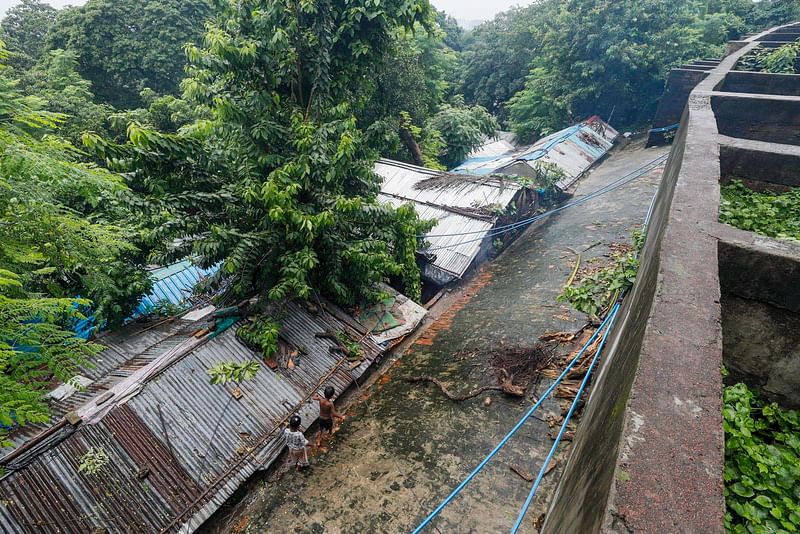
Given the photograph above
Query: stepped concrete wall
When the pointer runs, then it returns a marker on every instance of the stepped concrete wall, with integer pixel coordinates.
(648, 454)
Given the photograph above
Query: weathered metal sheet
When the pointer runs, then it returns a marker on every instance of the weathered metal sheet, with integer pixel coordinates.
(572, 149)
(458, 237)
(402, 180)
(127, 349)
(181, 446)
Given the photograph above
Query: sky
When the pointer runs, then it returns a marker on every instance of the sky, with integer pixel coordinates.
(461, 9)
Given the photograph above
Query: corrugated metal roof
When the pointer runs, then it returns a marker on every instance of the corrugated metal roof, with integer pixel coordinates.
(180, 446)
(127, 349)
(174, 284)
(403, 181)
(459, 204)
(453, 253)
(573, 149)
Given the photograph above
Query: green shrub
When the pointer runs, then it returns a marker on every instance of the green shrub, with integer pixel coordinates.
(762, 464)
(768, 213)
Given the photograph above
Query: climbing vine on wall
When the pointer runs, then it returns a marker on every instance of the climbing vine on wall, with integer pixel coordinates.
(762, 464)
(768, 213)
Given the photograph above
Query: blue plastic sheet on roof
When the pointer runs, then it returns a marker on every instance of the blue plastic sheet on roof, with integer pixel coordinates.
(543, 150)
(174, 284)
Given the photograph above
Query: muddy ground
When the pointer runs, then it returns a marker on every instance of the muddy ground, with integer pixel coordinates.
(404, 446)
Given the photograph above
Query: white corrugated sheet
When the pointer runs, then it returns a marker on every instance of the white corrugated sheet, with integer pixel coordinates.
(572, 149)
(453, 253)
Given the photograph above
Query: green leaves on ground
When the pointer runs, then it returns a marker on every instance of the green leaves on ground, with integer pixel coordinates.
(768, 213)
(762, 464)
(261, 333)
(596, 287)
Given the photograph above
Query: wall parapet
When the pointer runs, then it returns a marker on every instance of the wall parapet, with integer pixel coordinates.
(649, 452)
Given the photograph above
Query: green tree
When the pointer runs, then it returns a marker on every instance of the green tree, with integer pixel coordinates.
(57, 241)
(63, 223)
(124, 46)
(496, 58)
(462, 129)
(164, 113)
(278, 185)
(55, 78)
(603, 57)
(453, 33)
(24, 30)
(410, 83)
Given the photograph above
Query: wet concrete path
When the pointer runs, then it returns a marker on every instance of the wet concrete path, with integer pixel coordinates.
(405, 446)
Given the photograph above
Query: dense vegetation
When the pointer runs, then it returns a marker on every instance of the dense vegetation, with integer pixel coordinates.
(784, 59)
(584, 57)
(762, 464)
(768, 213)
(244, 133)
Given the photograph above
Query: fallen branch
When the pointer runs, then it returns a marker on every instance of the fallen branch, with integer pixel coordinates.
(525, 475)
(450, 395)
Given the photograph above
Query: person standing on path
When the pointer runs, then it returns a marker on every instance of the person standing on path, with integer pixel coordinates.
(296, 442)
(327, 411)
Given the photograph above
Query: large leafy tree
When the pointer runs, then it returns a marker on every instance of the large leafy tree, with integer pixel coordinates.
(603, 57)
(541, 67)
(124, 46)
(25, 28)
(55, 79)
(58, 240)
(496, 58)
(278, 185)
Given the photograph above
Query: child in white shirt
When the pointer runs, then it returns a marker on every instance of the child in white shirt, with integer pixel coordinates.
(296, 442)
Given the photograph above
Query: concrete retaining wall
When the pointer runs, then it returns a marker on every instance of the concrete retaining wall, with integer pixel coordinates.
(648, 456)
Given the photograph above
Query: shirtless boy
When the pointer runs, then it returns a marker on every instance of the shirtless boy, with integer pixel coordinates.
(327, 411)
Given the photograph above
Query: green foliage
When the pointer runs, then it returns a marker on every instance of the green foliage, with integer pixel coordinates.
(597, 56)
(261, 333)
(225, 372)
(36, 346)
(61, 221)
(124, 46)
(353, 347)
(784, 59)
(496, 58)
(453, 34)
(164, 113)
(409, 83)
(93, 461)
(762, 464)
(58, 239)
(165, 308)
(55, 79)
(24, 29)
(548, 175)
(542, 67)
(596, 289)
(462, 128)
(768, 213)
(278, 185)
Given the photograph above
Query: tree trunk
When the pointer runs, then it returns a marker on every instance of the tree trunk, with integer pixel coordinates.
(411, 143)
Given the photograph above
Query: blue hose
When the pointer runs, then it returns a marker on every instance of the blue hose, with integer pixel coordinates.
(519, 424)
(563, 428)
